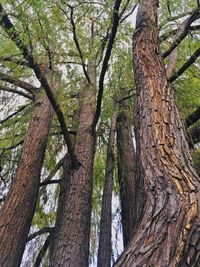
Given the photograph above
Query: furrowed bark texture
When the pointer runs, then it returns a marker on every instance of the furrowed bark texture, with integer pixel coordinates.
(105, 236)
(18, 209)
(126, 170)
(168, 232)
(70, 243)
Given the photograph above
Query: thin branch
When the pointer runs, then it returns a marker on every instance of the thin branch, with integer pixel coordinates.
(76, 41)
(15, 91)
(185, 66)
(14, 36)
(53, 172)
(14, 60)
(174, 18)
(195, 15)
(14, 113)
(125, 98)
(47, 182)
(105, 61)
(195, 134)
(68, 62)
(26, 86)
(40, 232)
(42, 252)
(172, 32)
(173, 57)
(124, 9)
(192, 118)
(129, 14)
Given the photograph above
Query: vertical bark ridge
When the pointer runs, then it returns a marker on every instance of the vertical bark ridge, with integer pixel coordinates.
(17, 212)
(105, 236)
(170, 218)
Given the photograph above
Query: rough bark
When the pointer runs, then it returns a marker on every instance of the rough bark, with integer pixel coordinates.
(105, 236)
(18, 209)
(126, 170)
(70, 243)
(168, 231)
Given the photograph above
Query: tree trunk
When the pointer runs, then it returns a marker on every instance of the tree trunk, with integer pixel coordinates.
(126, 171)
(105, 236)
(18, 209)
(168, 232)
(70, 243)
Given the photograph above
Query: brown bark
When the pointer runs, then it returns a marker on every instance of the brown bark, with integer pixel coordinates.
(126, 171)
(18, 209)
(70, 243)
(105, 236)
(168, 232)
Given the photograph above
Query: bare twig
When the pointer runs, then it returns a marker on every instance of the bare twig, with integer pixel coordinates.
(185, 66)
(42, 252)
(40, 232)
(192, 118)
(14, 60)
(15, 91)
(195, 15)
(26, 86)
(76, 41)
(14, 113)
(47, 182)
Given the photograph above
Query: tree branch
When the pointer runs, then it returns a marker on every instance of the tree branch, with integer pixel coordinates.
(14, 113)
(14, 36)
(105, 61)
(42, 252)
(173, 57)
(195, 134)
(15, 60)
(40, 232)
(47, 182)
(129, 14)
(76, 41)
(185, 66)
(192, 118)
(15, 91)
(170, 33)
(195, 15)
(26, 86)
(174, 18)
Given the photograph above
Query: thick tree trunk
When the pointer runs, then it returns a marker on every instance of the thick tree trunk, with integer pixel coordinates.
(18, 209)
(70, 243)
(126, 171)
(105, 236)
(168, 232)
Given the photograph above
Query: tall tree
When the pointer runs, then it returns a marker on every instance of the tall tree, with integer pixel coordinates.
(105, 235)
(18, 210)
(168, 230)
(70, 244)
(126, 169)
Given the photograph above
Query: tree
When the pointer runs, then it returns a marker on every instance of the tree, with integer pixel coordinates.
(169, 224)
(126, 169)
(105, 235)
(25, 185)
(88, 45)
